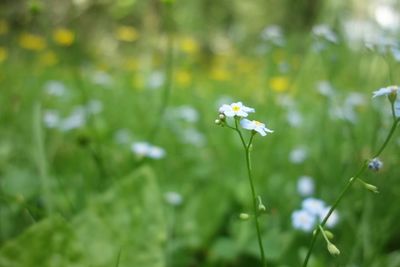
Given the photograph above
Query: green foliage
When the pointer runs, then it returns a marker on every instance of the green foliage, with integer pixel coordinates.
(127, 218)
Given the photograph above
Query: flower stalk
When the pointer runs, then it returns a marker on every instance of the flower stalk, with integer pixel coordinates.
(351, 181)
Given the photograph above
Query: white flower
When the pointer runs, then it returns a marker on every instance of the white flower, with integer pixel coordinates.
(102, 78)
(333, 219)
(255, 126)
(305, 186)
(55, 88)
(313, 206)
(325, 88)
(326, 32)
(77, 119)
(144, 149)
(397, 106)
(156, 152)
(155, 80)
(294, 118)
(235, 109)
(51, 118)
(94, 106)
(173, 198)
(303, 220)
(298, 155)
(386, 91)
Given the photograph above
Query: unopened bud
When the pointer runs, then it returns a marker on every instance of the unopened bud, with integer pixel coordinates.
(244, 216)
(261, 207)
(371, 188)
(218, 122)
(221, 116)
(333, 249)
(329, 234)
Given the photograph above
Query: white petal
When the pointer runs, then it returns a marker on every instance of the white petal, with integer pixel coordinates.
(247, 124)
(397, 107)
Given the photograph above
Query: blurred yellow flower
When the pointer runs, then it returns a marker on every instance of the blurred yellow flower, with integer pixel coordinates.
(220, 74)
(3, 27)
(32, 42)
(189, 45)
(63, 36)
(279, 84)
(48, 58)
(127, 34)
(183, 77)
(3, 54)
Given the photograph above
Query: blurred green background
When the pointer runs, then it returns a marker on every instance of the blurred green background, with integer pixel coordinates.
(83, 82)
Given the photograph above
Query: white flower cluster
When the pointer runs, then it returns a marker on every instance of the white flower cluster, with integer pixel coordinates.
(238, 110)
(144, 149)
(313, 211)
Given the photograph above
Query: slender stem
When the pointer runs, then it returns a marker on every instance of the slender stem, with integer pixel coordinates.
(346, 188)
(253, 191)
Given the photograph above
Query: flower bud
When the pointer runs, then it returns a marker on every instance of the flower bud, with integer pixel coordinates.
(333, 249)
(261, 207)
(244, 216)
(218, 122)
(329, 234)
(221, 116)
(371, 188)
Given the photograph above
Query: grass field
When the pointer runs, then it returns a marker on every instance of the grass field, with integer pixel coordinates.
(110, 156)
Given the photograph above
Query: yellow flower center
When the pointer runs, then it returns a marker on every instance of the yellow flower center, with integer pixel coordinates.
(236, 108)
(257, 123)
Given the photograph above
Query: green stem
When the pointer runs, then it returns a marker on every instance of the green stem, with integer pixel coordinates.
(253, 191)
(346, 188)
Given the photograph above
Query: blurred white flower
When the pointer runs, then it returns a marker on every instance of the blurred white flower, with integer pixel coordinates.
(77, 119)
(193, 137)
(326, 32)
(94, 106)
(102, 78)
(235, 109)
(313, 206)
(354, 99)
(325, 88)
(386, 91)
(387, 17)
(396, 53)
(156, 152)
(255, 126)
(273, 34)
(51, 118)
(173, 198)
(305, 186)
(298, 155)
(55, 88)
(397, 106)
(303, 220)
(333, 219)
(186, 113)
(155, 80)
(144, 149)
(294, 118)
